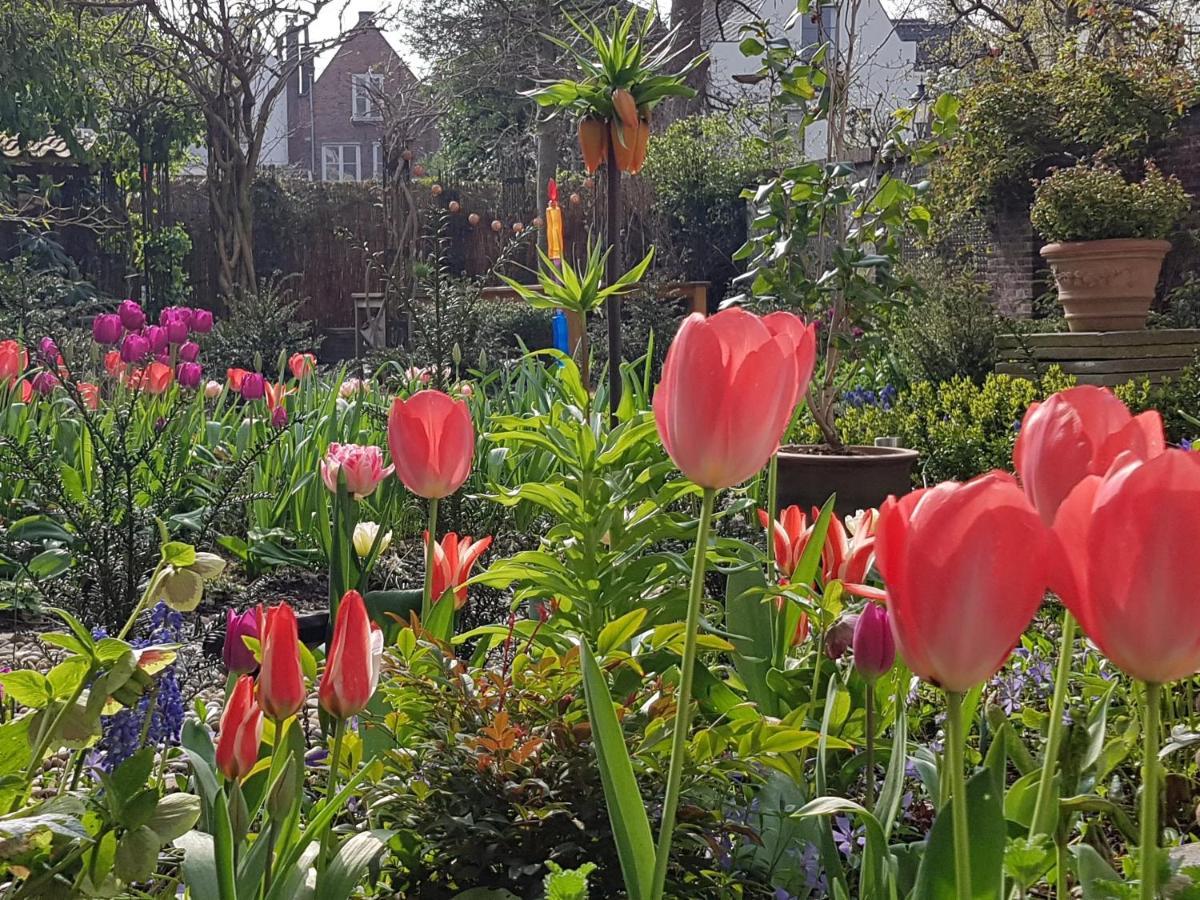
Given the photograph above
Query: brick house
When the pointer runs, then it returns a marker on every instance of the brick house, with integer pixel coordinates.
(337, 122)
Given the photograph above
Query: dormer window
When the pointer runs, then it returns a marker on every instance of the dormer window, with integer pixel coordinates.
(365, 91)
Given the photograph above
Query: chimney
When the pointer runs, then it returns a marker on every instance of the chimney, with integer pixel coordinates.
(366, 18)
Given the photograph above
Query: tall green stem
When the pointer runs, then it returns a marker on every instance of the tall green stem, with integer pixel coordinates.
(1043, 810)
(683, 711)
(956, 739)
(869, 753)
(339, 730)
(427, 597)
(1149, 824)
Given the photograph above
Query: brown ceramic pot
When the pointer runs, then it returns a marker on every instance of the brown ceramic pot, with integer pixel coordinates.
(862, 477)
(1106, 285)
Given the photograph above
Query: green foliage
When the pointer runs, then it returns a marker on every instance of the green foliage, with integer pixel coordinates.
(946, 324)
(260, 328)
(42, 292)
(1177, 398)
(960, 428)
(1016, 124)
(567, 884)
(1092, 202)
(162, 253)
(699, 167)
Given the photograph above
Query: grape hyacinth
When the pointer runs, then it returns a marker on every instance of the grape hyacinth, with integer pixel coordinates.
(122, 731)
(862, 397)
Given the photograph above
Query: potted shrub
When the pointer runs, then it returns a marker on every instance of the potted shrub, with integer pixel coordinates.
(1107, 240)
(824, 240)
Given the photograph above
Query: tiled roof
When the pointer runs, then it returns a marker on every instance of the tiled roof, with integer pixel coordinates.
(50, 147)
(723, 19)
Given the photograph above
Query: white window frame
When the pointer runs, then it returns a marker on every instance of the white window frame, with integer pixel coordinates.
(377, 160)
(341, 162)
(363, 106)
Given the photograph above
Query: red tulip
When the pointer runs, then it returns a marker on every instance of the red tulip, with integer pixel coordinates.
(874, 644)
(13, 360)
(728, 390)
(803, 339)
(965, 567)
(1128, 539)
(235, 377)
(791, 537)
(281, 689)
(302, 364)
(240, 731)
(453, 560)
(1076, 433)
(352, 666)
(432, 441)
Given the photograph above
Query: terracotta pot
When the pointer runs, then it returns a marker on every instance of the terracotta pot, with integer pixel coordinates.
(861, 477)
(1106, 285)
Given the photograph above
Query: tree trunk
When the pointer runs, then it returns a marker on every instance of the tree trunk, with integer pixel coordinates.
(549, 133)
(687, 16)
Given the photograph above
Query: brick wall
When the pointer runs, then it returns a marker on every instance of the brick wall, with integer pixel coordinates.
(1013, 266)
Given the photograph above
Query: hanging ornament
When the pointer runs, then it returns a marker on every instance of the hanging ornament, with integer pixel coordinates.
(407, 155)
(435, 190)
(473, 218)
(537, 221)
(453, 205)
(418, 171)
(518, 227)
(496, 225)
(575, 199)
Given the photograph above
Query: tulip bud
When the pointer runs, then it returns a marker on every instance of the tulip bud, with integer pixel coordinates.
(281, 688)
(352, 666)
(212, 390)
(237, 656)
(364, 538)
(874, 646)
(131, 315)
(107, 329)
(240, 731)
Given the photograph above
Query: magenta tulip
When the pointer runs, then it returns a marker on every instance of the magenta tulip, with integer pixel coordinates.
(107, 329)
(189, 352)
(133, 318)
(874, 645)
(965, 567)
(177, 330)
(202, 321)
(189, 374)
(238, 658)
(44, 383)
(254, 386)
(156, 335)
(728, 390)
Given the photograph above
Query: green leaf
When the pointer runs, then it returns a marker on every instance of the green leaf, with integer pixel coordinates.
(137, 855)
(1092, 871)
(985, 818)
(28, 688)
(199, 866)
(174, 816)
(748, 617)
(620, 631)
(178, 554)
(49, 563)
(626, 812)
(349, 866)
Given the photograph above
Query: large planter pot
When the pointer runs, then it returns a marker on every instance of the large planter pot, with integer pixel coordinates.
(862, 477)
(1106, 285)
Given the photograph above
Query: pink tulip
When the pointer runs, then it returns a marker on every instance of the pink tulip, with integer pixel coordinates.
(189, 352)
(1128, 539)
(728, 390)
(803, 339)
(302, 364)
(133, 318)
(1076, 433)
(107, 329)
(361, 466)
(355, 656)
(965, 567)
(213, 389)
(432, 440)
(13, 360)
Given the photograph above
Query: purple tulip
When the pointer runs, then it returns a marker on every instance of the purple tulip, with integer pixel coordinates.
(44, 383)
(134, 348)
(189, 352)
(131, 315)
(188, 374)
(254, 386)
(174, 312)
(163, 356)
(279, 417)
(840, 635)
(177, 330)
(202, 321)
(48, 351)
(874, 645)
(157, 336)
(238, 658)
(107, 329)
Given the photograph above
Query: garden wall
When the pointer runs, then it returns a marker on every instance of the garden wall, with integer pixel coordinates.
(1015, 269)
(325, 233)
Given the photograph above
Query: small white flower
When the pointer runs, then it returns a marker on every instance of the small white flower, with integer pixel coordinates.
(364, 538)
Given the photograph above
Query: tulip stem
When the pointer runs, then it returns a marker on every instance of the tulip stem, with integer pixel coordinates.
(683, 709)
(1047, 792)
(869, 750)
(956, 738)
(427, 597)
(1149, 823)
(339, 730)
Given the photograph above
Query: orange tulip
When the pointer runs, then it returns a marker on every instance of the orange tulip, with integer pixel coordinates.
(965, 567)
(302, 364)
(157, 377)
(235, 378)
(432, 441)
(281, 689)
(1076, 433)
(453, 560)
(113, 364)
(240, 731)
(89, 394)
(1128, 539)
(728, 390)
(13, 361)
(352, 666)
